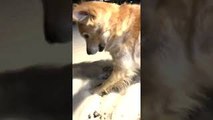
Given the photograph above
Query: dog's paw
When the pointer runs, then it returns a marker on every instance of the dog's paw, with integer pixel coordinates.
(100, 90)
(108, 69)
(109, 86)
(106, 72)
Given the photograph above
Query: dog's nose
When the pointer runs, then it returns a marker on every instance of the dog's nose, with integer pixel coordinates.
(101, 47)
(91, 51)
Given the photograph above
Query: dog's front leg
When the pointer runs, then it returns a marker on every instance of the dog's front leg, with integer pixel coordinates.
(121, 76)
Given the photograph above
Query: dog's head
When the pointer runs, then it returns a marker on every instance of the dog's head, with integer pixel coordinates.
(93, 20)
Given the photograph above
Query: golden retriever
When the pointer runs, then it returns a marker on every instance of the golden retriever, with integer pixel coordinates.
(116, 29)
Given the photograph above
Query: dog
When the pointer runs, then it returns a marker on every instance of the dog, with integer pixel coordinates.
(177, 58)
(116, 29)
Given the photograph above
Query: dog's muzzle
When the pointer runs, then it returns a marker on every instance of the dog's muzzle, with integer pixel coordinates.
(94, 50)
(101, 47)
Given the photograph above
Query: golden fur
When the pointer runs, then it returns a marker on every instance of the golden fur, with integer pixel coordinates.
(115, 28)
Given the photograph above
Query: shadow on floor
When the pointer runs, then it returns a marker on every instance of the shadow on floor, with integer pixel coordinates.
(44, 92)
(36, 93)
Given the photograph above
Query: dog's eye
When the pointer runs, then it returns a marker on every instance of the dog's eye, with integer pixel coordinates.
(86, 36)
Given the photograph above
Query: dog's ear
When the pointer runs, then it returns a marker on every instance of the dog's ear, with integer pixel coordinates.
(74, 5)
(81, 14)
